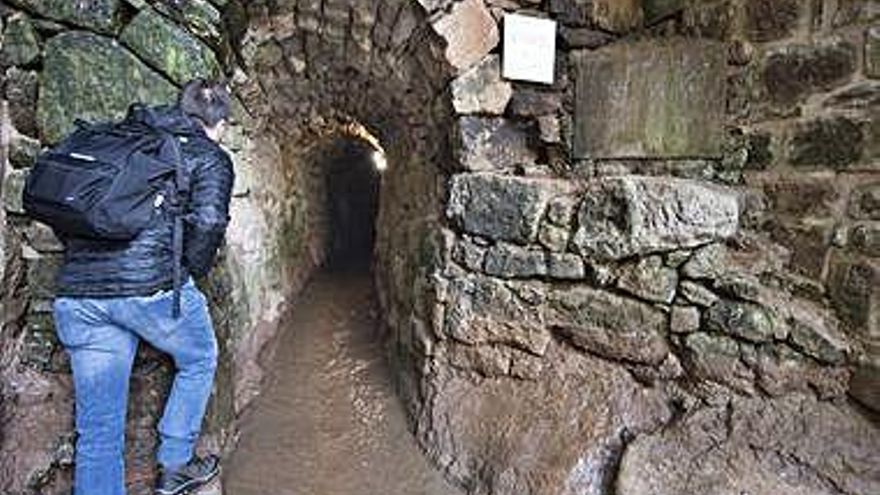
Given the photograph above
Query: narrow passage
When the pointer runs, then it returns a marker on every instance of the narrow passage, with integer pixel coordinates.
(328, 422)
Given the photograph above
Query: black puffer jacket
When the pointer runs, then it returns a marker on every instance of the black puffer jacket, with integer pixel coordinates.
(145, 265)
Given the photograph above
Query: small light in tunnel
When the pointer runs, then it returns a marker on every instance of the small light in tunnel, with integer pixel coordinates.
(380, 161)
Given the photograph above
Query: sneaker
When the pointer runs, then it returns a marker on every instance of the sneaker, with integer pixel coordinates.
(196, 473)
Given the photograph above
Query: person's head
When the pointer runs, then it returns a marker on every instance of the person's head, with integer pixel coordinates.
(208, 102)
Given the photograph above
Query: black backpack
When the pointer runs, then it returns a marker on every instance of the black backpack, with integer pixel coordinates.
(107, 181)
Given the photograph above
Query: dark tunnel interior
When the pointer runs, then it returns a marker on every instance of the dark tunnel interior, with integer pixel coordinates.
(352, 185)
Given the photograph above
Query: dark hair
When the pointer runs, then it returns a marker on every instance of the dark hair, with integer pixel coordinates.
(206, 101)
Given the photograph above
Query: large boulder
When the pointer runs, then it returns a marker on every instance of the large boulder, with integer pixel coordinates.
(791, 446)
(170, 48)
(560, 433)
(93, 78)
(628, 216)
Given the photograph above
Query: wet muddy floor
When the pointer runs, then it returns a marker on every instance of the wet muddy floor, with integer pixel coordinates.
(328, 421)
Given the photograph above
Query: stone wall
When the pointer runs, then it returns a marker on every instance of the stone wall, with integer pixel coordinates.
(658, 274)
(65, 60)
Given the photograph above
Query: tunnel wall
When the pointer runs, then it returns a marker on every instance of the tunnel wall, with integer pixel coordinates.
(657, 275)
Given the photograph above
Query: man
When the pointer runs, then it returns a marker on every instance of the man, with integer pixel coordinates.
(110, 296)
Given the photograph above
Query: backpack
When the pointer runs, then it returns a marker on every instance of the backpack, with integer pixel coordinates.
(107, 181)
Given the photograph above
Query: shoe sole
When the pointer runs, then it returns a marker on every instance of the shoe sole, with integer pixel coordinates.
(191, 485)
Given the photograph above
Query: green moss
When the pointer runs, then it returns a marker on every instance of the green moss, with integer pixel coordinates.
(169, 48)
(21, 44)
(97, 15)
(93, 78)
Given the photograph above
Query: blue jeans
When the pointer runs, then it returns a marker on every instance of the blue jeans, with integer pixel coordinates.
(101, 336)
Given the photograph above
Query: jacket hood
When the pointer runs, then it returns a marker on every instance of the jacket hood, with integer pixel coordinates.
(168, 118)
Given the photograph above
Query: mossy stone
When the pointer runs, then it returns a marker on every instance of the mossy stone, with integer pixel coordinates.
(97, 15)
(200, 16)
(21, 43)
(92, 78)
(169, 48)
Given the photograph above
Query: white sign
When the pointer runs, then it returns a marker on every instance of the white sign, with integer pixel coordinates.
(529, 48)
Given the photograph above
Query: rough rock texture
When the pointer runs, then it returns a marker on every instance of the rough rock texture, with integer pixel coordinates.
(792, 446)
(481, 89)
(99, 15)
(562, 433)
(91, 77)
(169, 48)
(632, 215)
(469, 32)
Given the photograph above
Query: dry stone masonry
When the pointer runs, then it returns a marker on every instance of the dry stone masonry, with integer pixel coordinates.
(658, 275)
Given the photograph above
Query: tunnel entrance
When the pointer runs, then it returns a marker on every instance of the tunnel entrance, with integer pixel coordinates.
(352, 172)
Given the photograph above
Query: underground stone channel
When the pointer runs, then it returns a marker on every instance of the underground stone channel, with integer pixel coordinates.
(328, 420)
(657, 275)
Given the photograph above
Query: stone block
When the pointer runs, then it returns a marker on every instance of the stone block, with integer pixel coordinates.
(493, 144)
(23, 150)
(865, 385)
(575, 38)
(13, 186)
(768, 20)
(617, 16)
(697, 294)
(864, 202)
(553, 238)
(801, 195)
(199, 16)
(21, 92)
(658, 9)
(533, 103)
(481, 310)
(21, 43)
(625, 216)
(469, 255)
(565, 266)
(854, 286)
(717, 358)
(42, 271)
(792, 72)
(649, 279)
(481, 90)
(865, 239)
(835, 142)
(509, 261)
(742, 319)
(808, 244)
(781, 371)
(469, 31)
(93, 78)
(666, 99)
(816, 333)
(170, 48)
(499, 208)
(872, 52)
(684, 319)
(98, 15)
(41, 237)
(609, 325)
